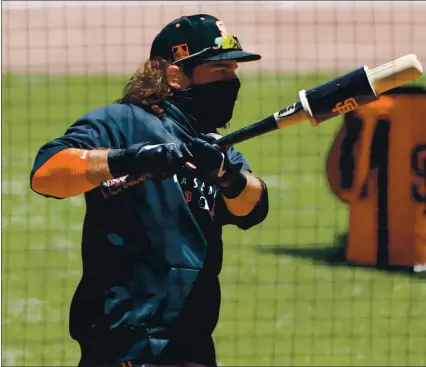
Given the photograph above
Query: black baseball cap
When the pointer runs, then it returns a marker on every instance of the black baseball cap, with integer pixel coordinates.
(196, 39)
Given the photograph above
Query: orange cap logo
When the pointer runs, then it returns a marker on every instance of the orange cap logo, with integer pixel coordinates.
(180, 51)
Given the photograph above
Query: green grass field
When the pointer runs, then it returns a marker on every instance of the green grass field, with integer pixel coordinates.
(283, 303)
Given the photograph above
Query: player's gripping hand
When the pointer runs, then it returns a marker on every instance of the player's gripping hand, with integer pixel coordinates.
(214, 167)
(154, 162)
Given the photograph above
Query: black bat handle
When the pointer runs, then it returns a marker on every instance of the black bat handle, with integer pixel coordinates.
(258, 128)
(289, 115)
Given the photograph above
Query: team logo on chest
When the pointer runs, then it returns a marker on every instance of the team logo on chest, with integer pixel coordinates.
(198, 195)
(188, 196)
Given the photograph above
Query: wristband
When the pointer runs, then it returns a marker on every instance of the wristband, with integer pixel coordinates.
(118, 163)
(232, 187)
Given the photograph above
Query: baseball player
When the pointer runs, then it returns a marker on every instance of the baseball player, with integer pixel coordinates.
(152, 253)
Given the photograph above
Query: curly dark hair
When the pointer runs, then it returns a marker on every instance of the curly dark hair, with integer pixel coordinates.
(148, 87)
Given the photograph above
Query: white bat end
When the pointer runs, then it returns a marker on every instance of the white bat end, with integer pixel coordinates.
(395, 73)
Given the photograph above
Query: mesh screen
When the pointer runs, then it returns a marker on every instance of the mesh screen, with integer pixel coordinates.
(287, 298)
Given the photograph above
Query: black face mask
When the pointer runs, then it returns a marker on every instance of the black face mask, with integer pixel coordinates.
(211, 104)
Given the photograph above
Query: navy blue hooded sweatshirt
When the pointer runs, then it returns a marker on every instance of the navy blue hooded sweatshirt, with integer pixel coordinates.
(151, 254)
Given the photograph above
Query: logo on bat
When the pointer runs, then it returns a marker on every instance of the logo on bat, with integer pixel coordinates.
(287, 111)
(347, 105)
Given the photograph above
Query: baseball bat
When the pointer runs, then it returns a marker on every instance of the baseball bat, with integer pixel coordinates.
(336, 97)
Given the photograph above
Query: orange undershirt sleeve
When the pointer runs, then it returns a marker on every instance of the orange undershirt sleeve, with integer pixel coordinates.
(64, 174)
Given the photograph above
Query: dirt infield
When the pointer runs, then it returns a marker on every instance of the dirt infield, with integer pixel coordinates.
(297, 38)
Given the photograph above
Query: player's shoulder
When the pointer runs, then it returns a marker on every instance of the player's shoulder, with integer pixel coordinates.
(109, 111)
(141, 114)
(120, 114)
(126, 120)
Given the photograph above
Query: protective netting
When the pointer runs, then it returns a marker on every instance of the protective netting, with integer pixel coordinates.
(287, 300)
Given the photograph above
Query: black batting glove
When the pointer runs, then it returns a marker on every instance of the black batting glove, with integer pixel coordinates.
(157, 162)
(214, 167)
(208, 159)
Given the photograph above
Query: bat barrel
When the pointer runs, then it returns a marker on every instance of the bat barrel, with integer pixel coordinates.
(357, 88)
(338, 96)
